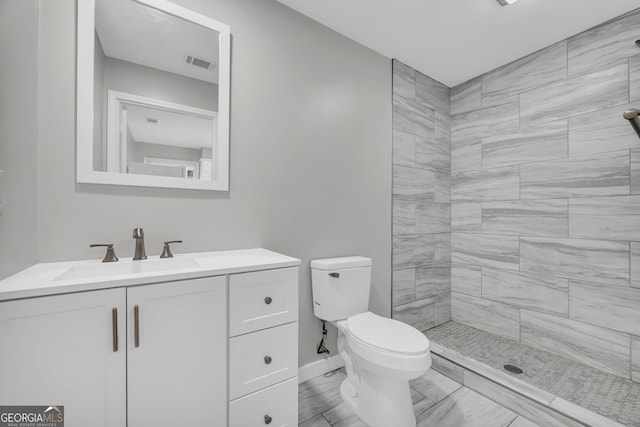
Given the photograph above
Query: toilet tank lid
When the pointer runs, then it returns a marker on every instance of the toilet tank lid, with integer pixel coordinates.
(340, 263)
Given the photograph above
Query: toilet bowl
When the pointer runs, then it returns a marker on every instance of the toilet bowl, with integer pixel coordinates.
(381, 355)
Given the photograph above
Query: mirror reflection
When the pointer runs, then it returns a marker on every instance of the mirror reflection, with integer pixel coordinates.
(156, 92)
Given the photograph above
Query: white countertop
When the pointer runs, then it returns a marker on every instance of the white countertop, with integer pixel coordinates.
(76, 276)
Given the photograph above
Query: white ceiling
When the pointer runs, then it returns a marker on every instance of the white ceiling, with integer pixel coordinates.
(453, 41)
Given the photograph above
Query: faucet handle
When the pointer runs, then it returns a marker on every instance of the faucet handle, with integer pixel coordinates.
(166, 252)
(110, 256)
(138, 233)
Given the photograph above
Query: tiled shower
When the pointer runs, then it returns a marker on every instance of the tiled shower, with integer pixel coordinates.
(516, 199)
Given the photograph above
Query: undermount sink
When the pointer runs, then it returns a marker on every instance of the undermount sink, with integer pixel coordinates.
(126, 267)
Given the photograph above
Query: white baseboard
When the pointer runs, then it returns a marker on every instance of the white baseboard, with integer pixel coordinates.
(319, 367)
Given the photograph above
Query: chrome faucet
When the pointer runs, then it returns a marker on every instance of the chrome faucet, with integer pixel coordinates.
(138, 234)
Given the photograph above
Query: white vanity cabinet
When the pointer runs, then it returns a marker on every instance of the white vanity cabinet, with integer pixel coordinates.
(263, 348)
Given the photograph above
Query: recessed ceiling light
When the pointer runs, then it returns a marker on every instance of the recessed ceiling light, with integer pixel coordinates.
(506, 2)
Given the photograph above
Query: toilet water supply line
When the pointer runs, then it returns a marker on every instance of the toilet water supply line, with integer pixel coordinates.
(321, 348)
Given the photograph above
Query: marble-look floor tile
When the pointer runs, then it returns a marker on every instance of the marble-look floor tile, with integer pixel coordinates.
(413, 250)
(590, 418)
(611, 218)
(601, 131)
(604, 45)
(592, 345)
(592, 260)
(466, 408)
(542, 67)
(466, 97)
(635, 171)
(532, 144)
(526, 217)
(614, 307)
(466, 217)
(548, 295)
(419, 314)
(446, 367)
(319, 394)
(486, 185)
(489, 316)
(523, 422)
(317, 421)
(485, 250)
(591, 92)
(434, 386)
(635, 264)
(466, 279)
(604, 174)
(635, 359)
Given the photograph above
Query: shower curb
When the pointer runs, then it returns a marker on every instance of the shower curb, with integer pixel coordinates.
(526, 400)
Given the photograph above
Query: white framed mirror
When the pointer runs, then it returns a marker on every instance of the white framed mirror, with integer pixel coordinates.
(153, 88)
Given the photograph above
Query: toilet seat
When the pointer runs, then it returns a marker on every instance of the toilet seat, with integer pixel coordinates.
(387, 334)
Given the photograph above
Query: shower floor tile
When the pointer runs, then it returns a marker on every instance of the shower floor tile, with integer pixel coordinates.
(606, 394)
(437, 401)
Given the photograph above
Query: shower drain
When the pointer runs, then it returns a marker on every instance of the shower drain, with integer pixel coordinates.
(513, 369)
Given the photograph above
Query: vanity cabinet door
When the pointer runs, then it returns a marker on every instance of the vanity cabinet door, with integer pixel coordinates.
(66, 350)
(177, 367)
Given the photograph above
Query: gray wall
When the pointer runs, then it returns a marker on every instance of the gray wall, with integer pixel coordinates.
(421, 199)
(546, 199)
(18, 133)
(310, 155)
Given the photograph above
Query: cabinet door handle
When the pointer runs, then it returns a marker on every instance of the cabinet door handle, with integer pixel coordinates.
(267, 419)
(136, 325)
(267, 360)
(114, 325)
(267, 300)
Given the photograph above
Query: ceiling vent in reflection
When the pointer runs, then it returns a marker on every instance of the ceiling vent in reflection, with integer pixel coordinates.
(200, 62)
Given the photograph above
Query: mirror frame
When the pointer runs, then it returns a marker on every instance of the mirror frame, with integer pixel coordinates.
(84, 104)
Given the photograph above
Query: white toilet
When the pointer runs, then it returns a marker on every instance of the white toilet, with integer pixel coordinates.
(381, 355)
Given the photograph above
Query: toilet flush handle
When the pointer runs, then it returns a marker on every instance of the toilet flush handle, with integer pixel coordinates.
(336, 275)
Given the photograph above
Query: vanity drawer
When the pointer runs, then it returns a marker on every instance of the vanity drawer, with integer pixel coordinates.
(262, 359)
(279, 403)
(262, 299)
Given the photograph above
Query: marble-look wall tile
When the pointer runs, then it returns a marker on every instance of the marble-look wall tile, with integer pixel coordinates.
(431, 154)
(413, 250)
(594, 346)
(442, 187)
(489, 316)
(592, 260)
(404, 80)
(635, 359)
(404, 149)
(433, 217)
(611, 218)
(635, 264)
(419, 314)
(601, 131)
(466, 217)
(575, 95)
(634, 78)
(604, 174)
(486, 185)
(466, 97)
(413, 117)
(547, 295)
(613, 307)
(433, 281)
(404, 215)
(432, 93)
(587, 417)
(442, 308)
(604, 45)
(485, 250)
(404, 286)
(467, 157)
(635, 171)
(536, 143)
(445, 367)
(466, 279)
(544, 66)
(526, 217)
(484, 122)
(413, 182)
(442, 247)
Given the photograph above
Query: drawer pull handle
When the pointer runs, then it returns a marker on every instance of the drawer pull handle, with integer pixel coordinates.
(267, 360)
(267, 419)
(267, 300)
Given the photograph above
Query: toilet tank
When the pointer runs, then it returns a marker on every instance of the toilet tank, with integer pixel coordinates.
(340, 286)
